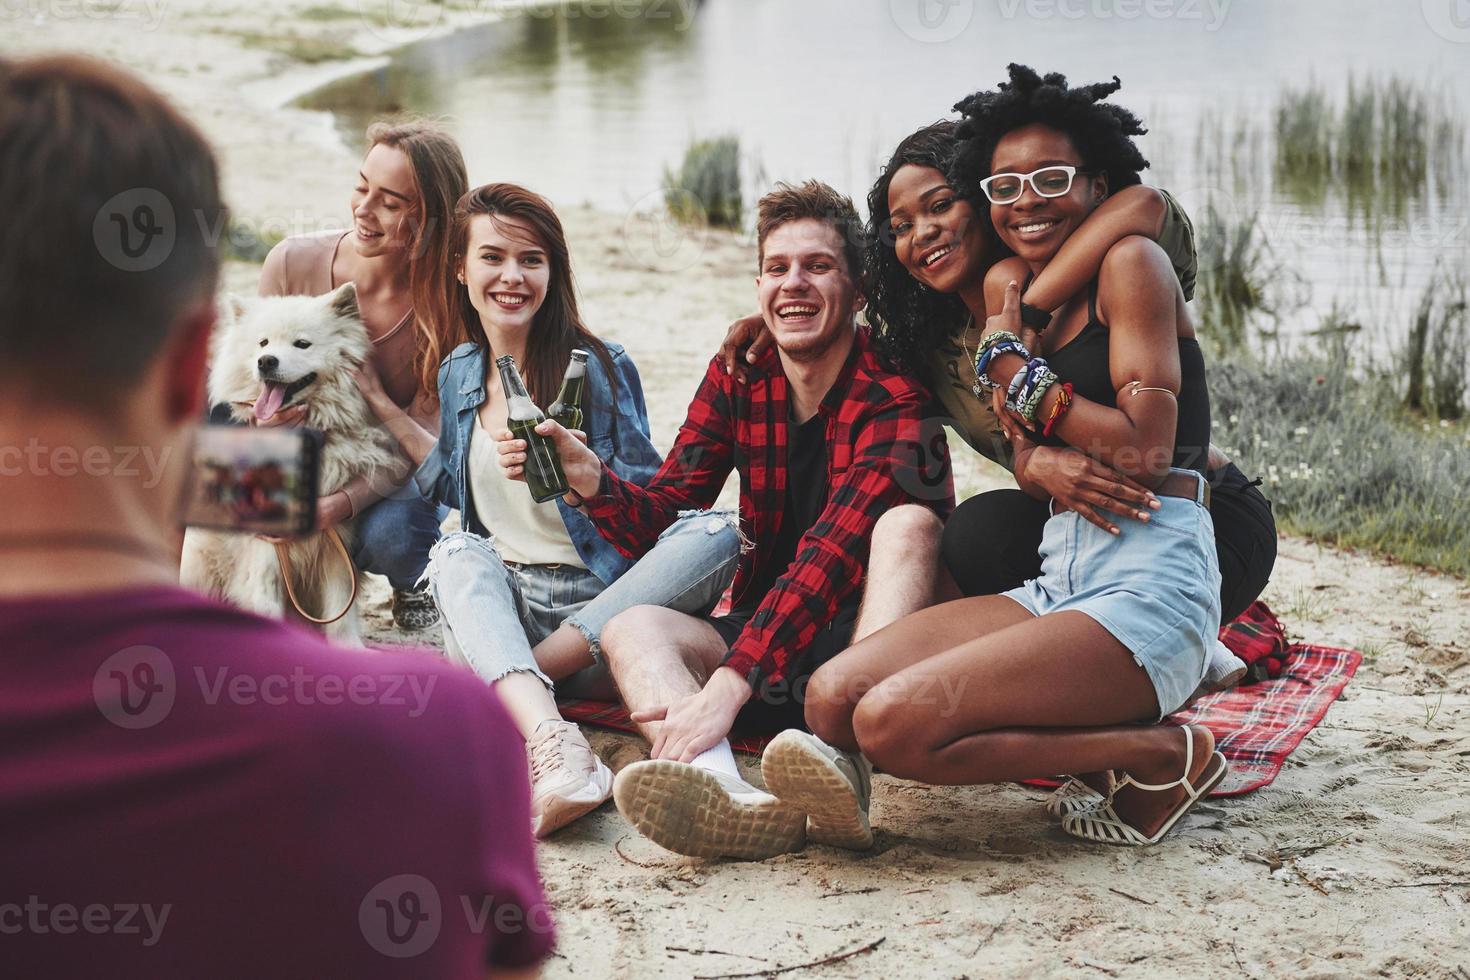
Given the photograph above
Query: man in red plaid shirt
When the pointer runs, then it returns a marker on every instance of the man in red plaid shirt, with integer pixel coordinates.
(826, 440)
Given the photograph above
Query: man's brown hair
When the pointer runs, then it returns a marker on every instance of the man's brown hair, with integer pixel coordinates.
(812, 199)
(111, 221)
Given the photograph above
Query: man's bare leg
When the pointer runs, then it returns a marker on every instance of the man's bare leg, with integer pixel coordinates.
(703, 808)
(905, 571)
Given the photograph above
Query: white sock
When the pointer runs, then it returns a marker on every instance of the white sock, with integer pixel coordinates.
(718, 759)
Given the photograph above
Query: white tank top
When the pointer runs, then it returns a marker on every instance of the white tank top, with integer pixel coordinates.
(526, 532)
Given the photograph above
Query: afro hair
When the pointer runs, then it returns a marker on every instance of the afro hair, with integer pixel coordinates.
(1101, 132)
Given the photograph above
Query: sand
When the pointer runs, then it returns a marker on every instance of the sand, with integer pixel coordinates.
(1355, 862)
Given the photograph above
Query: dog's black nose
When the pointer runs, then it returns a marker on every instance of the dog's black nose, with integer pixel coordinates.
(267, 363)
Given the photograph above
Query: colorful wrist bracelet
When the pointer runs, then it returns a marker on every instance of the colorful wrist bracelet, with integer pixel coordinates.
(990, 353)
(1023, 381)
(1018, 381)
(1041, 386)
(1059, 408)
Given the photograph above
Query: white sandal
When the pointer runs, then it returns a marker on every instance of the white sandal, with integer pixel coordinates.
(1075, 796)
(1103, 824)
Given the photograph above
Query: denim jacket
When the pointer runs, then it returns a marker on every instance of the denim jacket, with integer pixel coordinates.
(619, 437)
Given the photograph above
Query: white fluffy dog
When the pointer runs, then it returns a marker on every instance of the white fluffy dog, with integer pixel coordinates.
(280, 352)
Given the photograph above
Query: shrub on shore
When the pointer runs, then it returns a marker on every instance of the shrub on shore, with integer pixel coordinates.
(706, 187)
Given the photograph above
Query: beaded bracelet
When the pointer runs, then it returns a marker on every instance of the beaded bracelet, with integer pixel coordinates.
(1058, 408)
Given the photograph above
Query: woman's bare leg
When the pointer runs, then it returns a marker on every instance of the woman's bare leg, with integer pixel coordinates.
(838, 686)
(1041, 696)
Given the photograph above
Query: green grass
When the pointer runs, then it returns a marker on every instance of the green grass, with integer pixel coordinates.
(1343, 463)
(706, 187)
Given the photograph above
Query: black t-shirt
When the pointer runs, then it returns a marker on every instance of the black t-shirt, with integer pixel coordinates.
(806, 496)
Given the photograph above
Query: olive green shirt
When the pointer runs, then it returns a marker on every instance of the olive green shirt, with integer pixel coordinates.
(952, 362)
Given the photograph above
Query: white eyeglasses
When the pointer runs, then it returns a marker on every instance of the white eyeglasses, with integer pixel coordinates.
(1046, 182)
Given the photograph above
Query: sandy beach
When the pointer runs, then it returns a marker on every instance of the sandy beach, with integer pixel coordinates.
(1356, 861)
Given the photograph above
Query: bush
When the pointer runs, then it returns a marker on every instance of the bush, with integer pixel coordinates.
(706, 190)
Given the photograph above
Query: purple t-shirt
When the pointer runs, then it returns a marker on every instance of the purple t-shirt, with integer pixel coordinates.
(191, 791)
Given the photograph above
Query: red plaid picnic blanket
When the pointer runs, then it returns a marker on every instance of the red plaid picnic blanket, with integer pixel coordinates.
(1256, 726)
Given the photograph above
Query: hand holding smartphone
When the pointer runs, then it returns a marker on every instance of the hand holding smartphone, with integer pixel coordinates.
(255, 480)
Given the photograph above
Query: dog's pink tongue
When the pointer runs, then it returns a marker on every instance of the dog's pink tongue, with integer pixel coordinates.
(272, 393)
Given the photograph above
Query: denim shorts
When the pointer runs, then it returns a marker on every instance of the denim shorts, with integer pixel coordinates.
(1155, 587)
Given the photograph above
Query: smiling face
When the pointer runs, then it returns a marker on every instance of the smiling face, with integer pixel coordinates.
(1034, 227)
(506, 271)
(383, 202)
(807, 295)
(937, 236)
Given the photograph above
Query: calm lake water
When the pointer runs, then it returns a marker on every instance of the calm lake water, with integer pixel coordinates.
(587, 104)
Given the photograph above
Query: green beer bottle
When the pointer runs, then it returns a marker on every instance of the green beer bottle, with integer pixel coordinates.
(567, 409)
(543, 466)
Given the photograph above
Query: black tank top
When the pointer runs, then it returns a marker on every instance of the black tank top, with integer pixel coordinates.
(1083, 361)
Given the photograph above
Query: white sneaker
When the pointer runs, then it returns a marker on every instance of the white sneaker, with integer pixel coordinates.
(834, 788)
(567, 778)
(1223, 669)
(702, 813)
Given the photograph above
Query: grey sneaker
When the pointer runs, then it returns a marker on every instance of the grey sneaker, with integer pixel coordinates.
(834, 788)
(414, 610)
(567, 778)
(701, 813)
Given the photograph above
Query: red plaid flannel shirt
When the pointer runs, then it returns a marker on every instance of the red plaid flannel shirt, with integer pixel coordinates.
(881, 454)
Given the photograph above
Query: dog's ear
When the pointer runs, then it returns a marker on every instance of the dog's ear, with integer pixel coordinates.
(343, 302)
(233, 308)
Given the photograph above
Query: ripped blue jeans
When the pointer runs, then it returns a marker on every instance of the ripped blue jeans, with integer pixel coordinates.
(495, 611)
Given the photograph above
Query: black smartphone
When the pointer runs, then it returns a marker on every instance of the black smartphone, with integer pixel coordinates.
(260, 481)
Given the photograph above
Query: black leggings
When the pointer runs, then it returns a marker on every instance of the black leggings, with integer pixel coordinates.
(992, 541)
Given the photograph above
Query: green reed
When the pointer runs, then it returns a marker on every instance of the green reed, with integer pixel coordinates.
(1383, 145)
(706, 187)
(1436, 348)
(1242, 286)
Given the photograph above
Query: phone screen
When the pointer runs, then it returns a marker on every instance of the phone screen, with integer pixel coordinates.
(261, 481)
